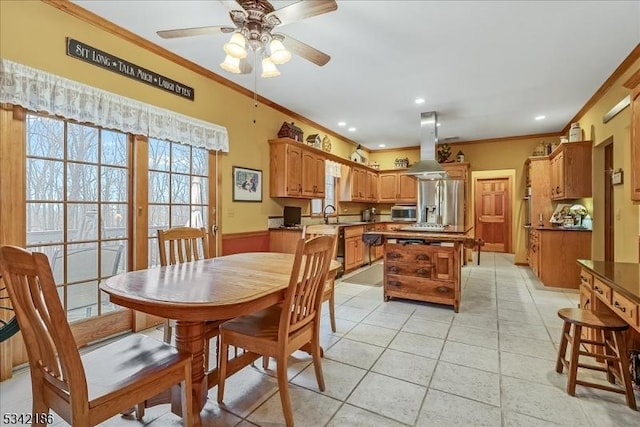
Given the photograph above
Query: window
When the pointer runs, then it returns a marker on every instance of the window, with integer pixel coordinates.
(178, 189)
(77, 207)
(318, 205)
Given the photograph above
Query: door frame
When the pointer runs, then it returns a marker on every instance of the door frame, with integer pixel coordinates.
(510, 175)
(609, 201)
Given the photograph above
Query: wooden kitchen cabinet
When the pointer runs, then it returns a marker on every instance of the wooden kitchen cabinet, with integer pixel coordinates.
(295, 170)
(372, 186)
(353, 247)
(534, 254)
(634, 84)
(571, 171)
(284, 240)
(538, 171)
(313, 178)
(397, 187)
(555, 255)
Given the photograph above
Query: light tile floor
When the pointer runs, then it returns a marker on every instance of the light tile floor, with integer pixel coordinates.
(406, 363)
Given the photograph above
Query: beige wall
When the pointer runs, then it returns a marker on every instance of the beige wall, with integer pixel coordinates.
(626, 216)
(33, 33)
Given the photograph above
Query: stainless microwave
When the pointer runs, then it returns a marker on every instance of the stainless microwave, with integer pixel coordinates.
(404, 213)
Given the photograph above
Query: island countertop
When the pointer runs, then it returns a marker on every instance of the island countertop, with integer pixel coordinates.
(430, 236)
(622, 276)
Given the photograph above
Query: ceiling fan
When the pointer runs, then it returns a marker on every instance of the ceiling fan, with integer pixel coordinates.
(254, 22)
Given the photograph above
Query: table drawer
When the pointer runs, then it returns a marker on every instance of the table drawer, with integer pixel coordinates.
(625, 308)
(602, 291)
(424, 271)
(586, 278)
(419, 288)
(416, 254)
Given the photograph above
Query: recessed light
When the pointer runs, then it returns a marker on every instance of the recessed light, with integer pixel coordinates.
(342, 123)
(541, 117)
(352, 129)
(419, 101)
(382, 145)
(438, 124)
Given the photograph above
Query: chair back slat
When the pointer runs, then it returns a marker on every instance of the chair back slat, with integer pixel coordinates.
(182, 244)
(51, 348)
(303, 297)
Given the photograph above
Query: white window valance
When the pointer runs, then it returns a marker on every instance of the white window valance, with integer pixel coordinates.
(38, 90)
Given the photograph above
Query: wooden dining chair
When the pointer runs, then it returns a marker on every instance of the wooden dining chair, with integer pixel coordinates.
(185, 244)
(284, 328)
(89, 389)
(328, 293)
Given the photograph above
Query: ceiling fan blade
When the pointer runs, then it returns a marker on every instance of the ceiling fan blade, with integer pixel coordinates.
(304, 50)
(197, 31)
(303, 9)
(231, 4)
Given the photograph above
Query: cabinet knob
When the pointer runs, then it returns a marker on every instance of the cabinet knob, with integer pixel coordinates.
(393, 283)
(394, 269)
(422, 257)
(394, 255)
(422, 272)
(442, 289)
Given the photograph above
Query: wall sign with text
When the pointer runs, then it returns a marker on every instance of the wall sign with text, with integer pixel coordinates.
(94, 56)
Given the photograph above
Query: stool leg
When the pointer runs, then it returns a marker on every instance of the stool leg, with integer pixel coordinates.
(573, 364)
(562, 351)
(623, 364)
(607, 339)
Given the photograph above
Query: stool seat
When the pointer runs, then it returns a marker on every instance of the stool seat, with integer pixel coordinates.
(607, 329)
(590, 319)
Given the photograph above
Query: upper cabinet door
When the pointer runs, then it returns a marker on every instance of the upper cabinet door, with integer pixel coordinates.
(635, 144)
(388, 187)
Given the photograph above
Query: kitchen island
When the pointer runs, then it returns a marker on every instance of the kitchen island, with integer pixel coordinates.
(424, 265)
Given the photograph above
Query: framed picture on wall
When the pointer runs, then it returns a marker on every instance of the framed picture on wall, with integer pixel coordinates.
(247, 185)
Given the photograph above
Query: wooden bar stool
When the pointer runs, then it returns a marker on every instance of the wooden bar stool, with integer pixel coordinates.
(609, 330)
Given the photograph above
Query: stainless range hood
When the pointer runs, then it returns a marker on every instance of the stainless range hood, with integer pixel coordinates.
(428, 167)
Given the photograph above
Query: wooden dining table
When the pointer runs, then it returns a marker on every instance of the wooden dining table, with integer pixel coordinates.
(212, 289)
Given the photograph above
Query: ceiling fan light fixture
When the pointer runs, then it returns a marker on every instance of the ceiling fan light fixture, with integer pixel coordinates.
(279, 54)
(231, 64)
(236, 47)
(269, 68)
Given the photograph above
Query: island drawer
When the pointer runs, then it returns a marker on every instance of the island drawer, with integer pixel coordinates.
(420, 254)
(410, 269)
(419, 289)
(625, 308)
(353, 231)
(586, 278)
(602, 291)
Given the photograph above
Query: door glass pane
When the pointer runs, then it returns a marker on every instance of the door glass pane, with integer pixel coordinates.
(44, 223)
(82, 182)
(82, 300)
(200, 164)
(180, 216)
(82, 222)
(159, 154)
(180, 189)
(82, 143)
(114, 184)
(45, 137)
(158, 187)
(44, 179)
(180, 158)
(158, 218)
(114, 218)
(114, 148)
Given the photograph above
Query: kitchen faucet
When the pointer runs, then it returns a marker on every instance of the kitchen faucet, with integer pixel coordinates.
(326, 215)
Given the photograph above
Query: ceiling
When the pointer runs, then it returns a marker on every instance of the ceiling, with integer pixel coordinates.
(488, 68)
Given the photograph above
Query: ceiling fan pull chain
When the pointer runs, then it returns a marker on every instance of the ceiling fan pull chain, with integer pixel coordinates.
(255, 86)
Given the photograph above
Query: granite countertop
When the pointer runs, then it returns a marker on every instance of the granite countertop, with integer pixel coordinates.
(625, 276)
(426, 235)
(556, 228)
